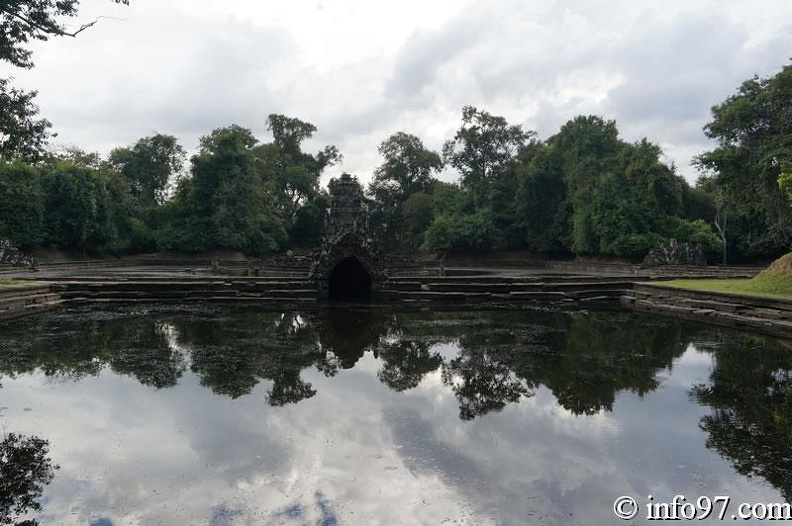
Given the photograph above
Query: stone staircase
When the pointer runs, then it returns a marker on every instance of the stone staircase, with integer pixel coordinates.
(505, 290)
(168, 290)
(17, 301)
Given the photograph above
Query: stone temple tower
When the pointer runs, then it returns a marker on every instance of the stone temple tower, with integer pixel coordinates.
(347, 269)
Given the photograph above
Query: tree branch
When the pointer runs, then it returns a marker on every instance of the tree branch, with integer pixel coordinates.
(54, 30)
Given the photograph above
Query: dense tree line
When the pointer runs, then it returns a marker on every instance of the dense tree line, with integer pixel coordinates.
(584, 190)
(239, 194)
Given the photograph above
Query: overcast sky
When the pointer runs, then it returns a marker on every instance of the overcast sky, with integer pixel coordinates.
(361, 70)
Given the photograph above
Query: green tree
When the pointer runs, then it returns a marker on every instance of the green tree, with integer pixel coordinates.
(541, 200)
(21, 205)
(407, 165)
(293, 173)
(753, 129)
(225, 204)
(462, 231)
(585, 148)
(406, 169)
(306, 230)
(417, 215)
(22, 134)
(482, 150)
(79, 209)
(149, 166)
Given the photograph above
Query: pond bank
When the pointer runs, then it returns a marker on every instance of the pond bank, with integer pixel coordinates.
(417, 287)
(769, 315)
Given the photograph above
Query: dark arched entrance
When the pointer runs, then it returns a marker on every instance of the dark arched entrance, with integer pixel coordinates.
(349, 281)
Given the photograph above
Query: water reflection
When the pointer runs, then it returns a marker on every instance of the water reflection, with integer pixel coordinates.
(299, 417)
(584, 359)
(750, 393)
(25, 469)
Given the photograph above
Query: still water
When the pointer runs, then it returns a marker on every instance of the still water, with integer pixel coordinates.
(229, 416)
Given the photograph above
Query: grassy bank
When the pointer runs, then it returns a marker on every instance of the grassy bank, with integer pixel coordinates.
(10, 281)
(760, 285)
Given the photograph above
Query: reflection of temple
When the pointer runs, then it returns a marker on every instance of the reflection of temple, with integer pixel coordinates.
(349, 333)
(347, 269)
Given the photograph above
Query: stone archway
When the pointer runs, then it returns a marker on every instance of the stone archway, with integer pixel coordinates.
(349, 281)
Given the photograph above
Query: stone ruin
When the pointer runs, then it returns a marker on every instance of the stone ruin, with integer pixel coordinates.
(347, 269)
(673, 253)
(11, 255)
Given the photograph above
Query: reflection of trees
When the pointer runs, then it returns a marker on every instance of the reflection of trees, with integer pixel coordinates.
(25, 469)
(62, 346)
(148, 355)
(232, 355)
(596, 356)
(405, 362)
(584, 359)
(750, 392)
(481, 383)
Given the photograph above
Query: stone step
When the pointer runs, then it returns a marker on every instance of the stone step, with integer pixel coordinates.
(538, 296)
(27, 310)
(21, 302)
(711, 304)
(397, 285)
(296, 293)
(21, 291)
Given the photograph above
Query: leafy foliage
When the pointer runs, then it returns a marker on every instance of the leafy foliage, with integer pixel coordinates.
(25, 469)
(149, 166)
(482, 150)
(21, 205)
(22, 21)
(22, 134)
(226, 204)
(293, 173)
(406, 171)
(753, 129)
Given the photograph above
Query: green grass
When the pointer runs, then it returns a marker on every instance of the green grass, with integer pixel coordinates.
(758, 286)
(11, 281)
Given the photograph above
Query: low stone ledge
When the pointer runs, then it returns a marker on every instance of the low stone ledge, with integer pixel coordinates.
(767, 315)
(17, 301)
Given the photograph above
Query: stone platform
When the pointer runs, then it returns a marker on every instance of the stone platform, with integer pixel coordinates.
(412, 285)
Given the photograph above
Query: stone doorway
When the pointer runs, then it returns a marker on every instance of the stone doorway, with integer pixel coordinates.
(349, 281)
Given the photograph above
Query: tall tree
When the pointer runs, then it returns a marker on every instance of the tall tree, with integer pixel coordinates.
(406, 170)
(21, 205)
(294, 173)
(407, 165)
(226, 204)
(584, 149)
(482, 149)
(541, 200)
(753, 129)
(79, 209)
(150, 165)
